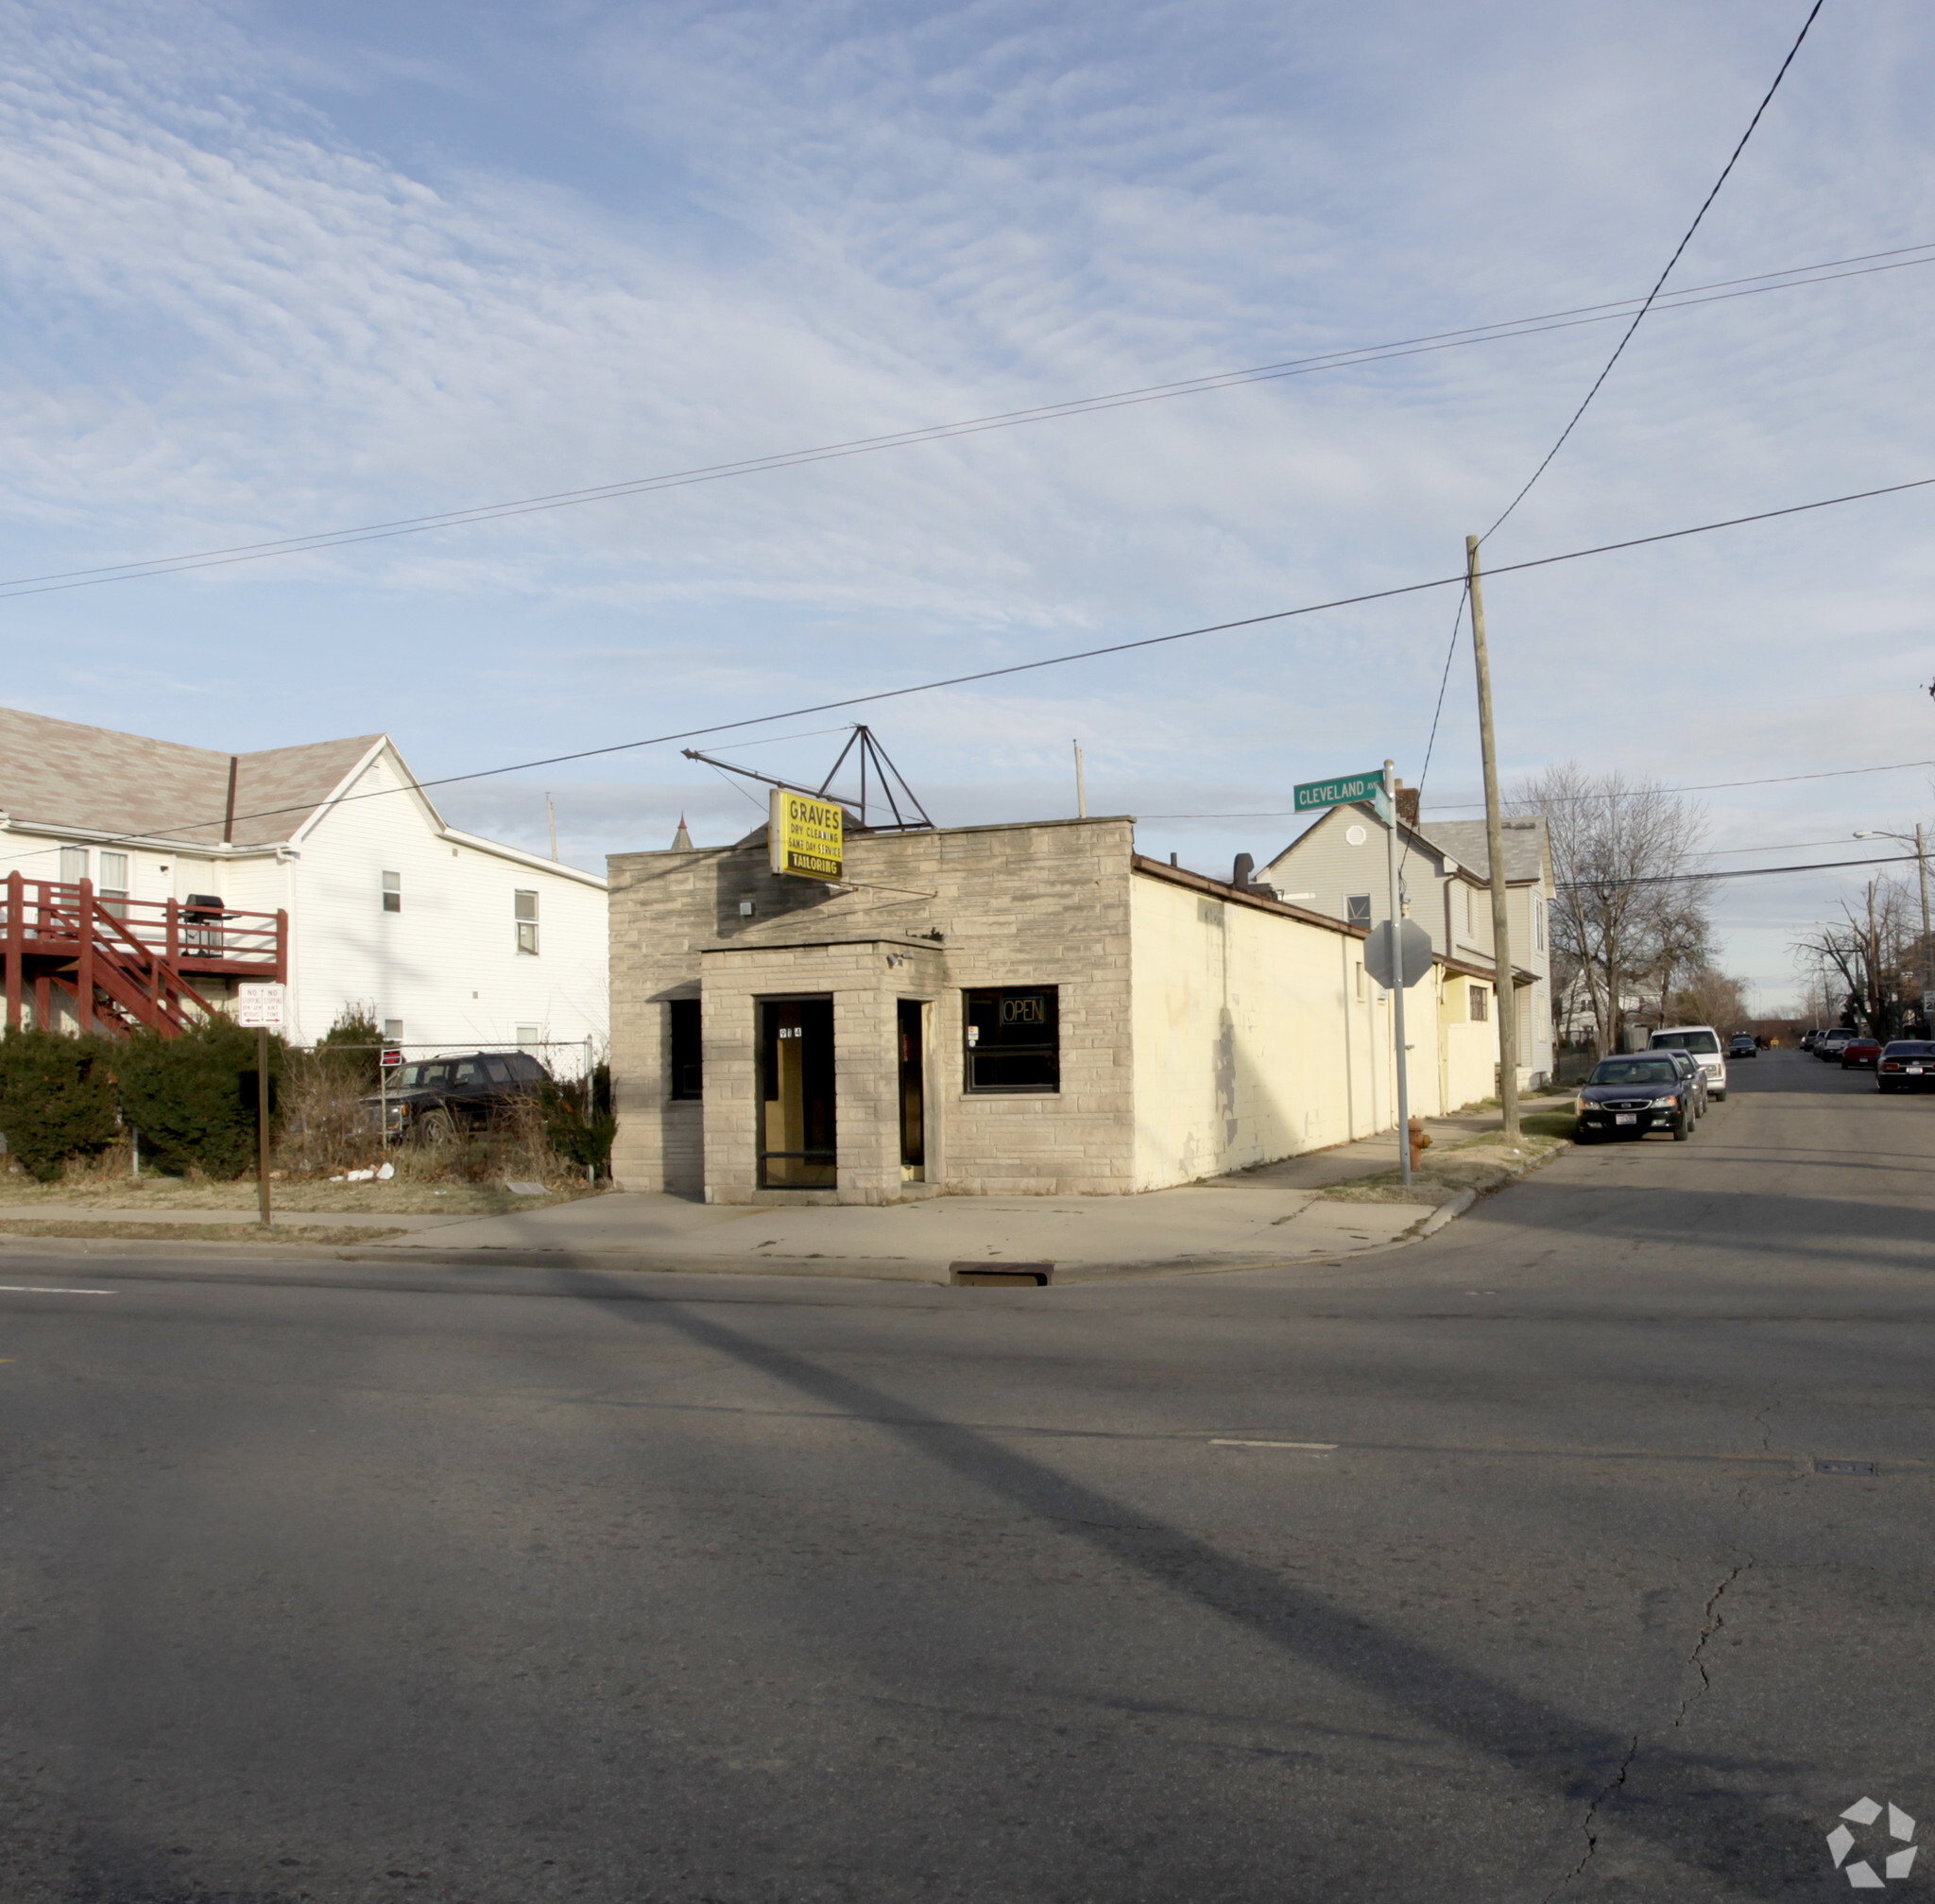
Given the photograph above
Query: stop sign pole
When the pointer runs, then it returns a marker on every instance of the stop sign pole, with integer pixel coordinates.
(1393, 926)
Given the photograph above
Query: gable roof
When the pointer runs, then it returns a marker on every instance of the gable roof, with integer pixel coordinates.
(1407, 835)
(59, 773)
(1464, 840)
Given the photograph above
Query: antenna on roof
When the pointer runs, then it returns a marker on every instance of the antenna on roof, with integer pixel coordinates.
(881, 783)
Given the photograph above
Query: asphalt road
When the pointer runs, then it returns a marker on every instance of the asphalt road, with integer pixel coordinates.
(1498, 1568)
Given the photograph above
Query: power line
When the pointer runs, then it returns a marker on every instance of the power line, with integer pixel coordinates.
(1457, 580)
(1795, 277)
(1717, 787)
(1706, 203)
(1738, 873)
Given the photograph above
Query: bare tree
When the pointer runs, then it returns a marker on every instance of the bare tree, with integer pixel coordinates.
(1630, 911)
(1711, 997)
(1866, 960)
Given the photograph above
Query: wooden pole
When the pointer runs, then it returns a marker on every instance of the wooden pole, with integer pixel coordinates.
(262, 1120)
(1928, 944)
(1395, 929)
(1505, 1002)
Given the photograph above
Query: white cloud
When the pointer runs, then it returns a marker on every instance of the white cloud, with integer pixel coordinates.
(263, 276)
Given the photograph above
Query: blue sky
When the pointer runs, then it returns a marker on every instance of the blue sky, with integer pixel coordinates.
(273, 268)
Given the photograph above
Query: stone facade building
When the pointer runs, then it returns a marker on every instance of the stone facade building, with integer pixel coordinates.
(1029, 1009)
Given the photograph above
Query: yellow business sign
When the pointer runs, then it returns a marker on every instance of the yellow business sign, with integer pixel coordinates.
(805, 836)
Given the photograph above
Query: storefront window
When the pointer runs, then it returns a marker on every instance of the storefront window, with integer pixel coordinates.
(1014, 1038)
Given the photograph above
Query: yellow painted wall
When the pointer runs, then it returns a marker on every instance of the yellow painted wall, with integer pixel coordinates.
(1250, 1044)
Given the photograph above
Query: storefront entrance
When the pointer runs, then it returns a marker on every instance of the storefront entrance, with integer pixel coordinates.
(913, 1028)
(796, 1144)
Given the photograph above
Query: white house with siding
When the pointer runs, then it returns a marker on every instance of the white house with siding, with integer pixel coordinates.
(1338, 866)
(327, 861)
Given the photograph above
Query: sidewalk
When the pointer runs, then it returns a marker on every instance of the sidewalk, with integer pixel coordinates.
(1273, 1215)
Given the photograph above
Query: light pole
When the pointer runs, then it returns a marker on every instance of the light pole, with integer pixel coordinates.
(1920, 846)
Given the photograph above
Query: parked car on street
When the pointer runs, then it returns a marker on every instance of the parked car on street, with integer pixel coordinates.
(1807, 1039)
(1861, 1054)
(1827, 1046)
(1702, 1043)
(1744, 1044)
(1906, 1064)
(1695, 1076)
(1628, 1097)
(438, 1100)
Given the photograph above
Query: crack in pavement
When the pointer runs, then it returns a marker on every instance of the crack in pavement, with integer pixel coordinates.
(1599, 1798)
(1711, 1621)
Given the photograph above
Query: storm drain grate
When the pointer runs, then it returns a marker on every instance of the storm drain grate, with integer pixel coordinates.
(1846, 1466)
(1002, 1275)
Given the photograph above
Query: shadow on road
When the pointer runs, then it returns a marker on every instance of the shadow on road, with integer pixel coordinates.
(1745, 1849)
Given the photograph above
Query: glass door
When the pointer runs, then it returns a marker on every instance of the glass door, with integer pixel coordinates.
(797, 1146)
(913, 1029)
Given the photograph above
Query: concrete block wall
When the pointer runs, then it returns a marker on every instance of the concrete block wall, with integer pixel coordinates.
(1038, 904)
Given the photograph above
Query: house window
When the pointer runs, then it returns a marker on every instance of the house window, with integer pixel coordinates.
(1480, 1002)
(1357, 909)
(1014, 1037)
(530, 1034)
(525, 907)
(1538, 923)
(684, 1066)
(113, 886)
(392, 892)
(73, 865)
(392, 1031)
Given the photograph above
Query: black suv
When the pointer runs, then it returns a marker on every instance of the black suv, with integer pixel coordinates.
(437, 1100)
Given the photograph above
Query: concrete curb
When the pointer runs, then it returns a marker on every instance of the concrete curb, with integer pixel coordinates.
(859, 1269)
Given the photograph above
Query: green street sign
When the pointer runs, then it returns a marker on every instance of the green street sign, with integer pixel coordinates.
(1314, 796)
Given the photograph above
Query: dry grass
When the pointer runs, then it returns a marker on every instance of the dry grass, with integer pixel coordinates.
(1447, 1170)
(464, 1180)
(198, 1232)
(321, 1139)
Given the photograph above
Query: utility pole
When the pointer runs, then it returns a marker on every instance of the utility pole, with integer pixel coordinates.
(551, 814)
(1397, 946)
(262, 1122)
(1081, 792)
(1505, 1002)
(1927, 973)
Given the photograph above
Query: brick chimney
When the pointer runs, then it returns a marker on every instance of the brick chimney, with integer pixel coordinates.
(1407, 804)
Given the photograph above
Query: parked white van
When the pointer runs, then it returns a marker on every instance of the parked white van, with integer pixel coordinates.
(1704, 1046)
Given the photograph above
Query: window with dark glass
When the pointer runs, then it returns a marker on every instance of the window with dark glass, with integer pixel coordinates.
(686, 1073)
(1014, 1037)
(1357, 909)
(1480, 1003)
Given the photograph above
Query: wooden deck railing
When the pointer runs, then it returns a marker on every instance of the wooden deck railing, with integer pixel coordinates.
(124, 962)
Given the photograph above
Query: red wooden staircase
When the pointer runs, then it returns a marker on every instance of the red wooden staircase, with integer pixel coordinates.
(114, 964)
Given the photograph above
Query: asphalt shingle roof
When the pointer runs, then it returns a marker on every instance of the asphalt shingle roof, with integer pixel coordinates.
(58, 773)
(1464, 840)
